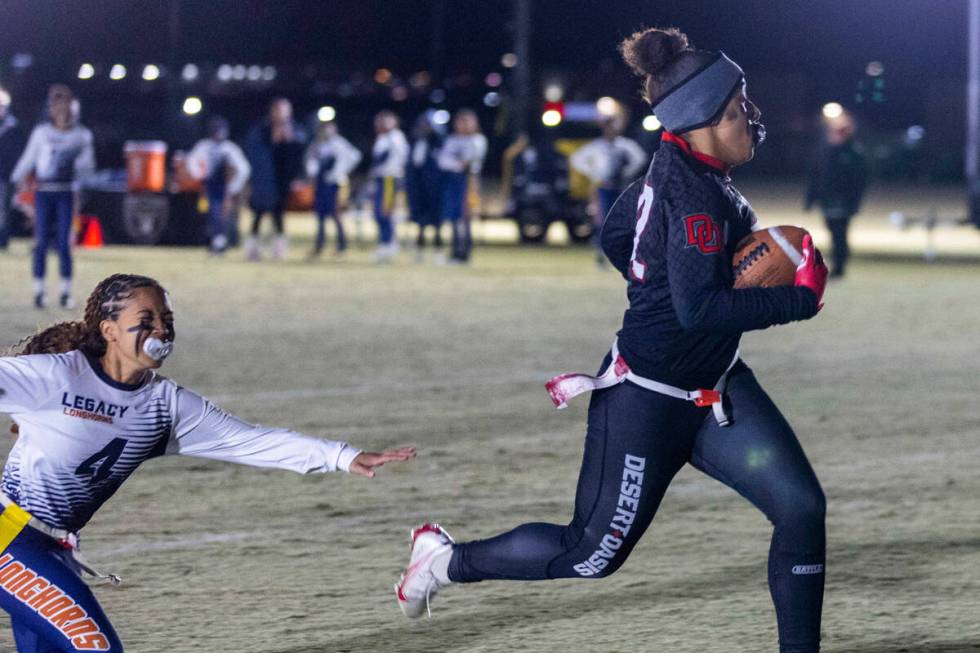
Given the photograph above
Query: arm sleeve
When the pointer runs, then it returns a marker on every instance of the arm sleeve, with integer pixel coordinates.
(26, 382)
(400, 149)
(700, 284)
(85, 163)
(617, 230)
(479, 154)
(203, 430)
(27, 160)
(583, 160)
(197, 160)
(637, 158)
(351, 156)
(239, 164)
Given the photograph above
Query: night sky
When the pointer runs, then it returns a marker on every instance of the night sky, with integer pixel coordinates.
(824, 43)
(913, 37)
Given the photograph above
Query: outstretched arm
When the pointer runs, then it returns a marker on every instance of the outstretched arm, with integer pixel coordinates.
(202, 429)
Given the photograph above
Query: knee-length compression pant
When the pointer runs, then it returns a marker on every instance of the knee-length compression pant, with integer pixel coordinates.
(50, 606)
(637, 441)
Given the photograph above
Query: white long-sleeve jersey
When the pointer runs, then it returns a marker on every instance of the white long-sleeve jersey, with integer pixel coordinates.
(209, 157)
(610, 163)
(82, 434)
(389, 154)
(463, 153)
(332, 160)
(58, 158)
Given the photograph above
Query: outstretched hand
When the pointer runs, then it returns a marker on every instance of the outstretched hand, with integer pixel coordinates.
(811, 272)
(367, 461)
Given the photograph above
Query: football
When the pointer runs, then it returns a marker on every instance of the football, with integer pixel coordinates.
(768, 257)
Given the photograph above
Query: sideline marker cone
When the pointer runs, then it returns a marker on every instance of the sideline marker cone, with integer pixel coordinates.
(92, 232)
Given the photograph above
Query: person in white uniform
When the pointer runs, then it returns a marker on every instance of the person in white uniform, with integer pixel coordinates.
(87, 417)
(329, 161)
(611, 162)
(60, 154)
(388, 158)
(223, 168)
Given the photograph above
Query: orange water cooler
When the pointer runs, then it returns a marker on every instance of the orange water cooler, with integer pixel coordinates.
(146, 166)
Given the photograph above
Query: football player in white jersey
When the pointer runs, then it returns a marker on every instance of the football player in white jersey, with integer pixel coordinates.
(90, 407)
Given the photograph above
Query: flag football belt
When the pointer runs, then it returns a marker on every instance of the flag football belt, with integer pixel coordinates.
(13, 519)
(565, 386)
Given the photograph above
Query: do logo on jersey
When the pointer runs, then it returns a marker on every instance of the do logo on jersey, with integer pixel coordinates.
(703, 233)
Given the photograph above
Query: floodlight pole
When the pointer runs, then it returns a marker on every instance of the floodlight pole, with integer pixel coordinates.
(973, 113)
(522, 71)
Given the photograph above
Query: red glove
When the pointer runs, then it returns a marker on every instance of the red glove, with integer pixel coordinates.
(811, 272)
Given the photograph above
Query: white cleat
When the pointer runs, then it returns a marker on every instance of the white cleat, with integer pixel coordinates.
(418, 584)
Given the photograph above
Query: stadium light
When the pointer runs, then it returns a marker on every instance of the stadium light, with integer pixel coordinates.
(254, 73)
(492, 99)
(606, 106)
(326, 113)
(382, 76)
(551, 118)
(117, 72)
(509, 60)
(190, 72)
(239, 72)
(224, 73)
(493, 80)
(832, 110)
(86, 71)
(269, 73)
(193, 105)
(651, 123)
(151, 72)
(441, 117)
(874, 68)
(553, 92)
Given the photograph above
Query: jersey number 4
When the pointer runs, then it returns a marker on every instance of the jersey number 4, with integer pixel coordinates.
(99, 465)
(644, 207)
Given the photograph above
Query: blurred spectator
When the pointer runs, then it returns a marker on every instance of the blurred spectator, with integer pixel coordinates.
(329, 161)
(837, 184)
(388, 158)
(610, 162)
(274, 148)
(461, 160)
(11, 145)
(223, 168)
(60, 154)
(424, 180)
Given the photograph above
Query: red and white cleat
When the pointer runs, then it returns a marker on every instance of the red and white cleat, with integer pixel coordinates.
(418, 584)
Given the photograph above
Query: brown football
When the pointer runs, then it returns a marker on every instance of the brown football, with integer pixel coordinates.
(768, 257)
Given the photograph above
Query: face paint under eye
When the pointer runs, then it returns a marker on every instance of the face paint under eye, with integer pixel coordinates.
(142, 330)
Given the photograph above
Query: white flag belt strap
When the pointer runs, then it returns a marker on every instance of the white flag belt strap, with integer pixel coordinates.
(68, 540)
(564, 387)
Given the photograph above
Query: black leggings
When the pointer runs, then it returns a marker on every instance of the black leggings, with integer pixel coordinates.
(637, 441)
(276, 221)
(840, 251)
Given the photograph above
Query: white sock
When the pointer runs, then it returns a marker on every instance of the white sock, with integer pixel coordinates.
(66, 286)
(440, 566)
(38, 286)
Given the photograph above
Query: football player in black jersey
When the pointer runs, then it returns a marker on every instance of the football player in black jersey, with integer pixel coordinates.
(673, 390)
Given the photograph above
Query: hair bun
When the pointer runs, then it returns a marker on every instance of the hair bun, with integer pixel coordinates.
(651, 51)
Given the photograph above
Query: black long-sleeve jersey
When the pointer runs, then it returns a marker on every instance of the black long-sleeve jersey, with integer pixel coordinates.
(672, 235)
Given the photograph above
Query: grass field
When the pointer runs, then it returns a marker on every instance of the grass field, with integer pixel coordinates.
(881, 388)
